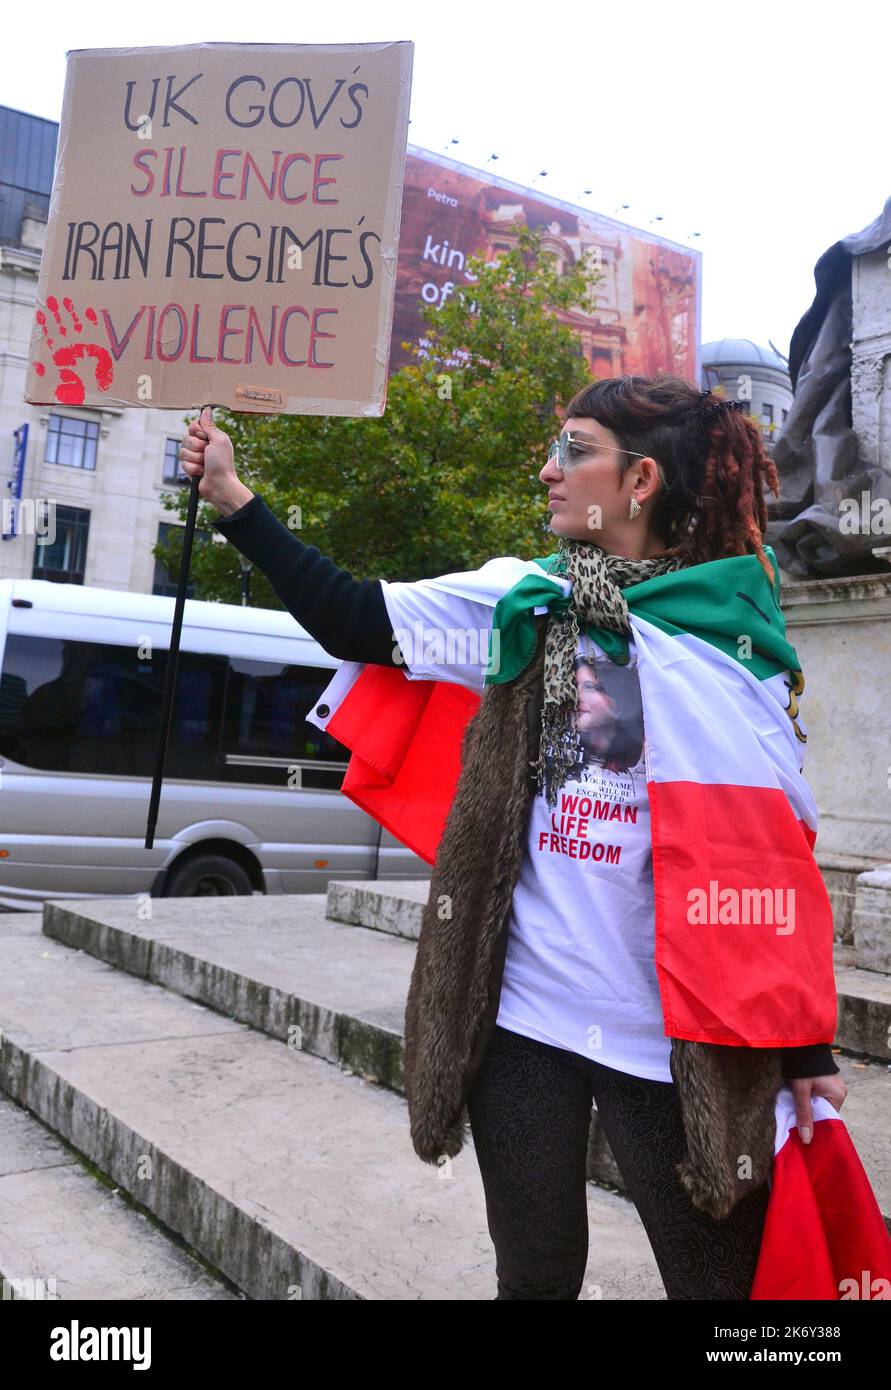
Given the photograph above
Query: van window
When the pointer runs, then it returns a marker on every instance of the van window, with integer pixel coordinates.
(265, 731)
(94, 707)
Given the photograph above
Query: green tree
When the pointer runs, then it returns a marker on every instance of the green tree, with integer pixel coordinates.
(448, 476)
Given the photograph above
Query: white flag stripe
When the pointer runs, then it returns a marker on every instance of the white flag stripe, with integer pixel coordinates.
(786, 1120)
(485, 585)
(710, 720)
(461, 602)
(335, 693)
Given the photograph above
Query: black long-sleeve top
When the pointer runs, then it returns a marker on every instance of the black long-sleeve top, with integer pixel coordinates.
(349, 618)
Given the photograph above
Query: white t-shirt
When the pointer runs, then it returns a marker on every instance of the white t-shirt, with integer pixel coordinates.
(579, 970)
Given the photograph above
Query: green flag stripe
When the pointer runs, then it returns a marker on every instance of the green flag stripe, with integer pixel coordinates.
(719, 601)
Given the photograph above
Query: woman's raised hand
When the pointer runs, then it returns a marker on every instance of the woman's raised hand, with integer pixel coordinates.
(207, 453)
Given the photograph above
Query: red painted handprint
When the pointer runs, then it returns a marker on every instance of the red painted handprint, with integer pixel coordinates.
(71, 390)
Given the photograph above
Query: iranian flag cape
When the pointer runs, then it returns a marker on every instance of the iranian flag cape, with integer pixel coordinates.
(743, 920)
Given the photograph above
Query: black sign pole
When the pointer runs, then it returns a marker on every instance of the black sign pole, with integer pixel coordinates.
(173, 655)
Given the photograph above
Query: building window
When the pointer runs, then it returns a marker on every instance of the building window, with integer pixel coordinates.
(62, 559)
(164, 581)
(172, 467)
(785, 413)
(766, 413)
(71, 442)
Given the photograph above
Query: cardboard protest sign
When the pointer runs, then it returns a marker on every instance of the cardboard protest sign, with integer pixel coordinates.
(224, 226)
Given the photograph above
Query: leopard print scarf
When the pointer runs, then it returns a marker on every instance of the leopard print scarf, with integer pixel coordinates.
(596, 601)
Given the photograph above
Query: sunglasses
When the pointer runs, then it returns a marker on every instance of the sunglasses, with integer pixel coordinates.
(569, 450)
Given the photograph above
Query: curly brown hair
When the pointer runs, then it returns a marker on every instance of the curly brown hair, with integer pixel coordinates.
(716, 470)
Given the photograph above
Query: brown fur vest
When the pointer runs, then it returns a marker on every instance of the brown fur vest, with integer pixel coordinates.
(727, 1094)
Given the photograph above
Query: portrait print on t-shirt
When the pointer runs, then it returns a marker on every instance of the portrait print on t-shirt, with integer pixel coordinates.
(609, 722)
(597, 815)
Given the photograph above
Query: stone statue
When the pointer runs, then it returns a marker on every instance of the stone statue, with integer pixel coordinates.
(834, 455)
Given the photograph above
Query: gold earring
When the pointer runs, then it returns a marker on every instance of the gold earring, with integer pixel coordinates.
(634, 509)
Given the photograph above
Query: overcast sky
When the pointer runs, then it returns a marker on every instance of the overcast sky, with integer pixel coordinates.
(761, 126)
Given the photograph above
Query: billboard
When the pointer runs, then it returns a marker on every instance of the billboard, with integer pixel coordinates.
(645, 314)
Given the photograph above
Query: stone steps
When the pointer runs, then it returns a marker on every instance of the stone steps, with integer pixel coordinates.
(277, 964)
(64, 1234)
(291, 1177)
(332, 971)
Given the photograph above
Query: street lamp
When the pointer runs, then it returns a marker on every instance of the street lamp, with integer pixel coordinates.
(246, 570)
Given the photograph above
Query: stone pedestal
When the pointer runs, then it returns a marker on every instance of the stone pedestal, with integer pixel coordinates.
(871, 920)
(841, 629)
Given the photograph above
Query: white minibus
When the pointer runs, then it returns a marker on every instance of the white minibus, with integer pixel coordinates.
(251, 798)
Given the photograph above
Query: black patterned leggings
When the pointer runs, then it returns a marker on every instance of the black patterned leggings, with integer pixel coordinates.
(530, 1113)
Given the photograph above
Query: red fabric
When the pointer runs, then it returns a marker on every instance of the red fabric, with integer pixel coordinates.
(714, 976)
(824, 1236)
(405, 738)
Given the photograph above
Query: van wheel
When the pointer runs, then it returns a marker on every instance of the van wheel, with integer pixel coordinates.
(207, 876)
